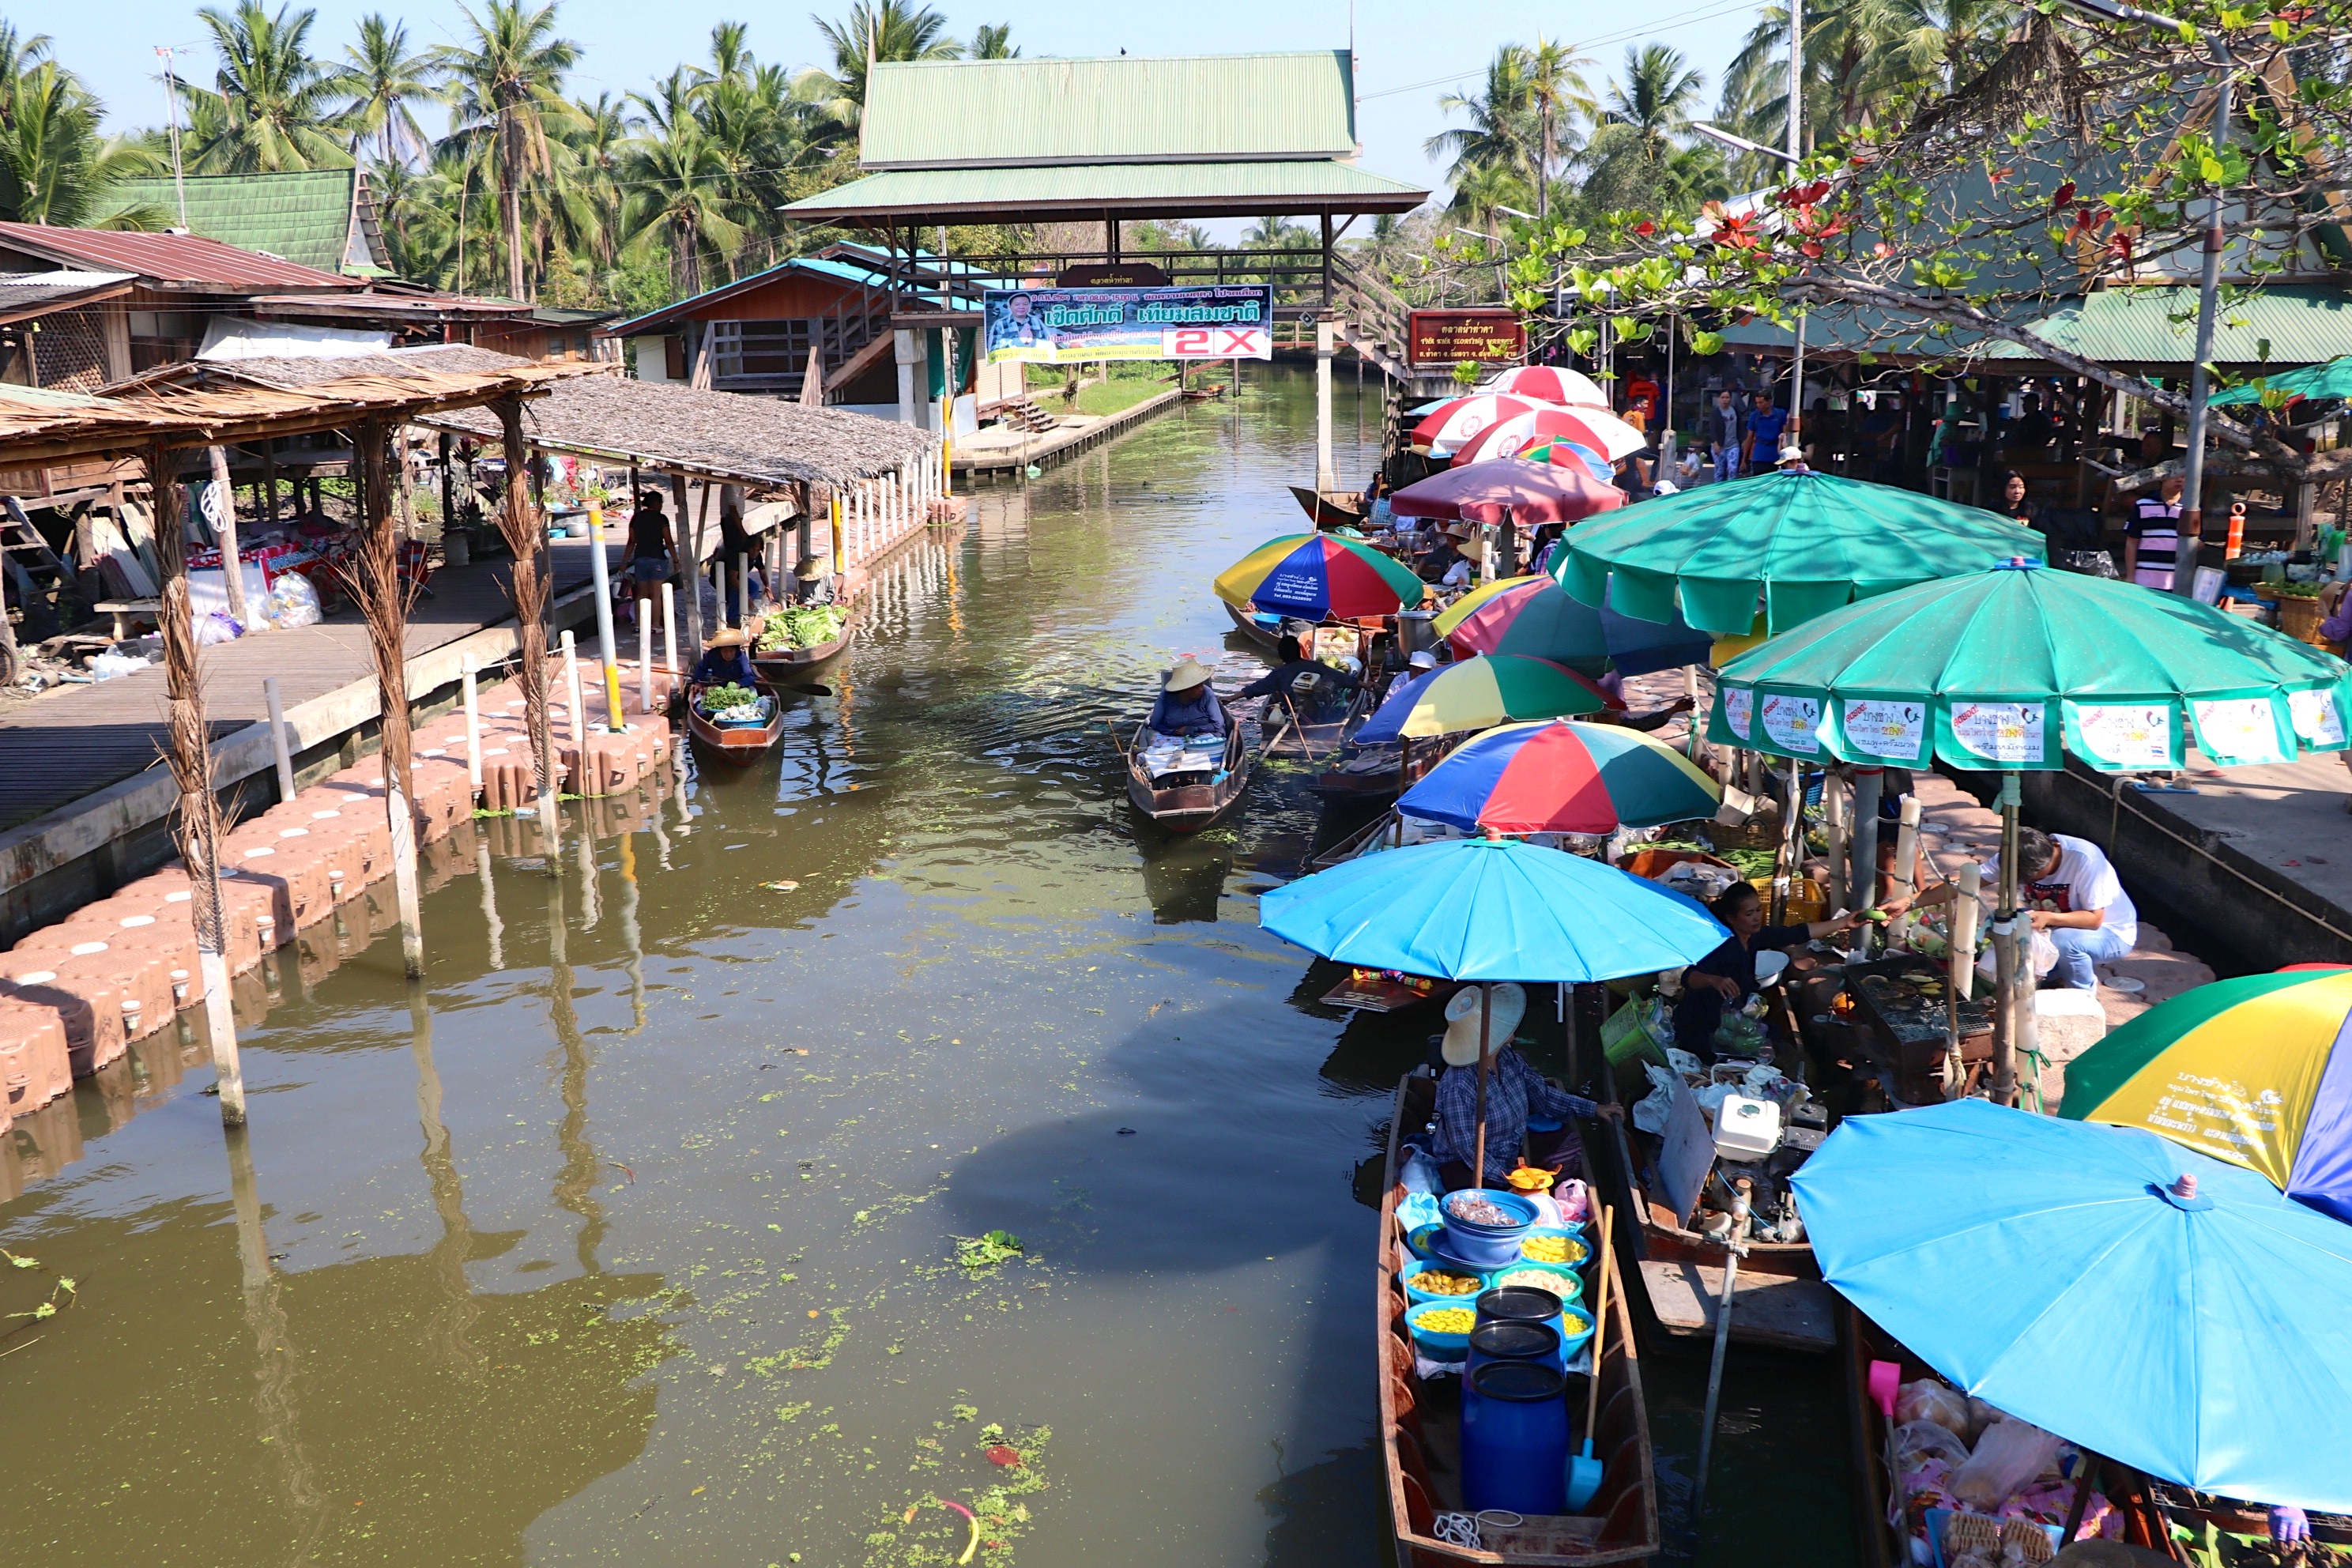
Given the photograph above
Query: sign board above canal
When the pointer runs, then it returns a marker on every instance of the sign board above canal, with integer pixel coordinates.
(1451, 337)
(1064, 326)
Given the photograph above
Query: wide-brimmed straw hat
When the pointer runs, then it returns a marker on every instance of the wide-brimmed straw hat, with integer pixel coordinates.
(808, 571)
(1187, 674)
(1508, 1005)
(727, 637)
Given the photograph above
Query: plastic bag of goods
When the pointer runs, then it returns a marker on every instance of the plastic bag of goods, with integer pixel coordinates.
(2009, 1455)
(1929, 1400)
(1918, 1441)
(219, 626)
(110, 664)
(293, 602)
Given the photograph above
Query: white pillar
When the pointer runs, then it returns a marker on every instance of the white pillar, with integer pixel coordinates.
(646, 674)
(572, 691)
(473, 727)
(1327, 477)
(279, 747)
(669, 628)
(909, 347)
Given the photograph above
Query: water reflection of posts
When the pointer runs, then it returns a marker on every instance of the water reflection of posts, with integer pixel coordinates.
(632, 934)
(273, 1364)
(575, 1184)
(592, 908)
(498, 931)
(456, 1241)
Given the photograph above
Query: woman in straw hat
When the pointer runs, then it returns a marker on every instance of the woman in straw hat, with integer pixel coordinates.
(1188, 704)
(1515, 1091)
(724, 660)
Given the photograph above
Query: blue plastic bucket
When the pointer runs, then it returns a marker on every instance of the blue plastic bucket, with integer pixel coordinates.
(1487, 1246)
(1515, 1439)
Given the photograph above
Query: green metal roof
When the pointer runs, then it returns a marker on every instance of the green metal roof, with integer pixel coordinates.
(1215, 108)
(310, 218)
(2153, 324)
(1091, 190)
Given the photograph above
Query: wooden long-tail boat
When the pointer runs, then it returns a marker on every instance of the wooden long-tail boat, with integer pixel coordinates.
(1420, 1431)
(791, 666)
(1330, 510)
(1189, 801)
(739, 744)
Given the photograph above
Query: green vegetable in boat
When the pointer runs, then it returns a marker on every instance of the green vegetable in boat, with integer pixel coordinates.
(806, 626)
(719, 698)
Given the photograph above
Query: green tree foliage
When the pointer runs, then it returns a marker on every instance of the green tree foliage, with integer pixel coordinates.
(271, 106)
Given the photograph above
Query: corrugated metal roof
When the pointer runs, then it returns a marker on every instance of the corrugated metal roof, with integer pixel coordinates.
(1086, 190)
(862, 274)
(939, 114)
(35, 293)
(304, 215)
(181, 261)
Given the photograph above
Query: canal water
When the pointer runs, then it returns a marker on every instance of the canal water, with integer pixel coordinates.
(900, 1119)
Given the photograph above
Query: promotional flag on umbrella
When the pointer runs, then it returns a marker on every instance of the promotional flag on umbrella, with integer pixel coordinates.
(1549, 383)
(1561, 452)
(1479, 492)
(1536, 617)
(1315, 575)
(2067, 1274)
(1606, 434)
(2002, 669)
(1460, 419)
(2256, 1072)
(1560, 777)
(1479, 693)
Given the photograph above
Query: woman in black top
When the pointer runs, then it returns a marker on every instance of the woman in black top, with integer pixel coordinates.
(649, 563)
(1726, 977)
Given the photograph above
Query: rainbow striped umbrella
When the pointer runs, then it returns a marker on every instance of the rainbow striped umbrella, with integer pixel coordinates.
(1479, 693)
(1561, 452)
(1315, 575)
(1537, 617)
(2255, 1072)
(1558, 777)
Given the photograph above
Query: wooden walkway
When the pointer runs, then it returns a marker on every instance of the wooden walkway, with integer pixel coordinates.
(76, 740)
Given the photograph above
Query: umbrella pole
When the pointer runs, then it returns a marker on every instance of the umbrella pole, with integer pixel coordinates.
(1404, 763)
(2004, 949)
(1792, 841)
(1732, 1249)
(1486, 1004)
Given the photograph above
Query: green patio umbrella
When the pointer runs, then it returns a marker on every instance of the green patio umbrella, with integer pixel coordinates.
(1806, 543)
(2004, 669)
(2319, 383)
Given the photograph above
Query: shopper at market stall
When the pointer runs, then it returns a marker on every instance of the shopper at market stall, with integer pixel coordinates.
(1514, 1091)
(2071, 893)
(650, 559)
(1726, 978)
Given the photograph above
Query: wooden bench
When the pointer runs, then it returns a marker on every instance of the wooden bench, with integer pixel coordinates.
(126, 611)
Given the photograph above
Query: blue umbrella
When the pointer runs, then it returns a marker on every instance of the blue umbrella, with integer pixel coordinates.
(1490, 909)
(2050, 1268)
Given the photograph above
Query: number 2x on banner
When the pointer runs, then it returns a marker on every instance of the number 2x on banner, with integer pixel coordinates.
(1217, 342)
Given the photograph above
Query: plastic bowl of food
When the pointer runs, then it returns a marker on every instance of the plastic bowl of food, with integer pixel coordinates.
(1420, 1242)
(1575, 1326)
(1558, 1279)
(1443, 1284)
(1482, 1225)
(1440, 1330)
(1563, 1245)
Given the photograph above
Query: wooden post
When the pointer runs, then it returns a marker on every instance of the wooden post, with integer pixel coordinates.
(448, 485)
(232, 568)
(197, 831)
(270, 481)
(519, 521)
(10, 660)
(687, 552)
(1485, 1060)
(385, 598)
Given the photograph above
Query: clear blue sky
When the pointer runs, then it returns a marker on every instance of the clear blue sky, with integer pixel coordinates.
(1406, 51)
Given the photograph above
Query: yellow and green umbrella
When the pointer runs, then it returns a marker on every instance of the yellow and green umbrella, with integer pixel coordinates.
(1480, 693)
(2255, 1072)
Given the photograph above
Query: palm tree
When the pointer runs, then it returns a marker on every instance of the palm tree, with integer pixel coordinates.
(596, 136)
(277, 105)
(55, 167)
(993, 43)
(887, 31)
(1647, 109)
(19, 53)
(680, 190)
(382, 78)
(1503, 134)
(1555, 88)
(507, 80)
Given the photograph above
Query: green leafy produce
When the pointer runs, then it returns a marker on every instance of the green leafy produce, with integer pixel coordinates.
(805, 627)
(719, 698)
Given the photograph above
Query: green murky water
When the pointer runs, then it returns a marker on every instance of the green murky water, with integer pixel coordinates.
(634, 1235)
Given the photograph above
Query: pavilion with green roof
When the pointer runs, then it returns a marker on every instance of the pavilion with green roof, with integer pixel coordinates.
(320, 218)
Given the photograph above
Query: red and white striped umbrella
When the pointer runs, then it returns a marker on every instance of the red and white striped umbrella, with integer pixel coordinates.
(1459, 419)
(1595, 427)
(1549, 383)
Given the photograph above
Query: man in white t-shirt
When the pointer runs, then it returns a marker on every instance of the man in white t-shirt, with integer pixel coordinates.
(2072, 892)
(2073, 898)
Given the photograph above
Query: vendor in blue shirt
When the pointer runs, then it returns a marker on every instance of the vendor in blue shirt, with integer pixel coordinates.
(1514, 1092)
(1726, 978)
(724, 660)
(1188, 705)
(1761, 445)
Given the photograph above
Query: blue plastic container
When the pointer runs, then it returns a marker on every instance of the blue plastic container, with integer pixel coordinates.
(1524, 1305)
(1515, 1439)
(1511, 1342)
(1487, 1246)
(1417, 1295)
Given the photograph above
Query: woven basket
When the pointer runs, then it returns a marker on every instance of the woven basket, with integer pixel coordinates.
(2299, 618)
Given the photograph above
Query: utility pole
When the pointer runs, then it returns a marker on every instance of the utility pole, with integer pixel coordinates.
(2209, 281)
(1796, 160)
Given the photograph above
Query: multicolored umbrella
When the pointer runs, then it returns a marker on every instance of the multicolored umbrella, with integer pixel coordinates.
(1534, 615)
(2255, 1071)
(1549, 383)
(1479, 693)
(1805, 543)
(1315, 575)
(1457, 420)
(1999, 669)
(1491, 910)
(1598, 428)
(2068, 1274)
(1561, 452)
(1535, 493)
(1558, 777)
